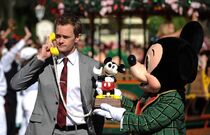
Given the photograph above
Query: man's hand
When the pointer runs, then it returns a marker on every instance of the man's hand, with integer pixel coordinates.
(27, 34)
(44, 53)
(110, 112)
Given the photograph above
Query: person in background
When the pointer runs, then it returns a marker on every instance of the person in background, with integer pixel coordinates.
(8, 61)
(3, 91)
(139, 52)
(72, 74)
(166, 29)
(26, 99)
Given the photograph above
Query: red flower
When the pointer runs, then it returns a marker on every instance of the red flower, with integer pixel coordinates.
(16, 37)
(115, 7)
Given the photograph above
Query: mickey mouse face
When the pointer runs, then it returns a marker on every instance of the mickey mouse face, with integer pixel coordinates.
(148, 82)
(110, 69)
(171, 63)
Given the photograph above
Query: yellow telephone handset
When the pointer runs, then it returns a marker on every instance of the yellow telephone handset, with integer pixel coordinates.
(53, 50)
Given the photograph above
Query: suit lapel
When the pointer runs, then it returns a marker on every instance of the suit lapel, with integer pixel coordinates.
(52, 75)
(83, 72)
(83, 76)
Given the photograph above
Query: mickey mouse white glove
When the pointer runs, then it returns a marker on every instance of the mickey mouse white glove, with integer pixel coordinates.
(98, 87)
(99, 91)
(117, 92)
(110, 112)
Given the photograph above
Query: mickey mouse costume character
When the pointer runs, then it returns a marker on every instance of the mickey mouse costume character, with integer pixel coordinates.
(169, 65)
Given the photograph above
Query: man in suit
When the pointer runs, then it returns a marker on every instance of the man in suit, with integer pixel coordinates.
(79, 83)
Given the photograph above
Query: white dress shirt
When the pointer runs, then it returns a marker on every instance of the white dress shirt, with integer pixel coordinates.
(74, 102)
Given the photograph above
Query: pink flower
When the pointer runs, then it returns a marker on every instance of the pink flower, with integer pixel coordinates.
(195, 5)
(171, 1)
(115, 7)
(174, 6)
(180, 10)
(61, 8)
(104, 3)
(110, 2)
(190, 11)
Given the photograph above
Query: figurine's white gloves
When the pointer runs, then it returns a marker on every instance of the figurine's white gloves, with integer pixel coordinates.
(99, 91)
(98, 87)
(117, 92)
(110, 112)
(98, 71)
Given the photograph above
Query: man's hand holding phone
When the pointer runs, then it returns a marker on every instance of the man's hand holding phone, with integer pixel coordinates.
(48, 49)
(53, 49)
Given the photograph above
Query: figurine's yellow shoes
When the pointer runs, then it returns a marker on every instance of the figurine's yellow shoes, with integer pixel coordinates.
(100, 96)
(117, 97)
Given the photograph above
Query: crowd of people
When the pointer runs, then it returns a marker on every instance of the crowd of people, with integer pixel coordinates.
(17, 51)
(14, 52)
(26, 63)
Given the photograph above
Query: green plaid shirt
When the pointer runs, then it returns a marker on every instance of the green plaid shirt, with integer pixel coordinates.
(164, 116)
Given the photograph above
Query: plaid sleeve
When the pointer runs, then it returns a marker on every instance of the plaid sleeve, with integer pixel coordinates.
(128, 104)
(156, 116)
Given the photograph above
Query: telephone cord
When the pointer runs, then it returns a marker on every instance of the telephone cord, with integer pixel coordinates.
(69, 113)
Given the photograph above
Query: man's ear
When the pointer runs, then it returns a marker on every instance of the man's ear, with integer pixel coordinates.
(77, 38)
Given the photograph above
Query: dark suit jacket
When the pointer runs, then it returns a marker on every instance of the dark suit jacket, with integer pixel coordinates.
(43, 119)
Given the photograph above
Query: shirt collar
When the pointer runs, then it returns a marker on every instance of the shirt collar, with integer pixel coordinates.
(71, 57)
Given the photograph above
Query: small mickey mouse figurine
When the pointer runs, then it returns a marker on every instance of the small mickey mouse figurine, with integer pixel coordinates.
(106, 82)
(169, 65)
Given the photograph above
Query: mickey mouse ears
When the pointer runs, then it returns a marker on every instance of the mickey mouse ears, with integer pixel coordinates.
(193, 34)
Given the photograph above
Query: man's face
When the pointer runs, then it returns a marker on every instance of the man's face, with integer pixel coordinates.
(66, 39)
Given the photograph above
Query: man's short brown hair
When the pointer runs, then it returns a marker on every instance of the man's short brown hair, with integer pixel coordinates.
(71, 19)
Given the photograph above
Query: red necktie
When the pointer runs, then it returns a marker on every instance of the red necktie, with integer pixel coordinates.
(61, 115)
